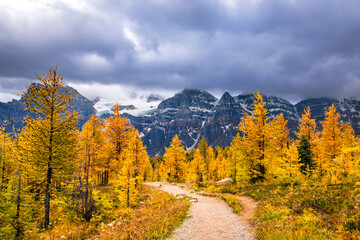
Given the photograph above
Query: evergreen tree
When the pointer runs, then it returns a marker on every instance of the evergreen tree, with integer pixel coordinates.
(307, 127)
(51, 135)
(305, 155)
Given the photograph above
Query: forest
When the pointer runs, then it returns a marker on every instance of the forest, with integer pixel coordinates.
(55, 176)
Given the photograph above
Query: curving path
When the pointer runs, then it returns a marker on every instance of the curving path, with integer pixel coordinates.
(211, 218)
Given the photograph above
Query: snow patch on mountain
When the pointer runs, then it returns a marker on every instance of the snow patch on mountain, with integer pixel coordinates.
(141, 103)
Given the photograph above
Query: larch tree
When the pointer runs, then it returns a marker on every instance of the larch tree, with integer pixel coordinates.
(237, 164)
(289, 170)
(218, 167)
(125, 183)
(174, 161)
(331, 141)
(117, 132)
(307, 127)
(91, 140)
(279, 134)
(51, 136)
(203, 148)
(141, 162)
(210, 155)
(350, 152)
(11, 185)
(134, 170)
(279, 141)
(256, 129)
(198, 168)
(7, 164)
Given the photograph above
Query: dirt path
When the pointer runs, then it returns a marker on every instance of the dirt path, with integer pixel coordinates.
(211, 218)
(249, 209)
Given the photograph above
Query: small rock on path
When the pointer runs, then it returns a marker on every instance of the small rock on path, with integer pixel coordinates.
(211, 218)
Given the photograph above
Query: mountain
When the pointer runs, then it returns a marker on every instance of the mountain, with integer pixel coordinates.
(349, 109)
(16, 109)
(193, 114)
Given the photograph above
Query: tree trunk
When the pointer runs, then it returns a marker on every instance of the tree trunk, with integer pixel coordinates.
(87, 212)
(49, 171)
(47, 197)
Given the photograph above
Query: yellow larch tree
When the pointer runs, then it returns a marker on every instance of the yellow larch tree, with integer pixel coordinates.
(174, 161)
(280, 134)
(117, 134)
(163, 171)
(307, 127)
(279, 140)
(125, 182)
(141, 162)
(7, 163)
(51, 147)
(238, 167)
(12, 200)
(257, 139)
(210, 157)
(330, 142)
(91, 150)
(289, 170)
(218, 167)
(350, 152)
(204, 152)
(198, 168)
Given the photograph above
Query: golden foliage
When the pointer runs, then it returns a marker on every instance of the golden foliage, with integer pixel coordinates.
(174, 161)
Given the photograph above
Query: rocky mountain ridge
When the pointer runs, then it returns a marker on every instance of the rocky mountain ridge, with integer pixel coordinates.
(193, 114)
(16, 109)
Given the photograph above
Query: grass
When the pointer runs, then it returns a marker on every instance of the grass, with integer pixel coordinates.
(156, 215)
(233, 202)
(306, 211)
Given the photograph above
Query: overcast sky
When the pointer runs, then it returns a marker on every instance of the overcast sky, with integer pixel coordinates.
(290, 48)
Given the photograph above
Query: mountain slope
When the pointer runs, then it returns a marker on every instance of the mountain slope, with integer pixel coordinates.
(16, 109)
(192, 114)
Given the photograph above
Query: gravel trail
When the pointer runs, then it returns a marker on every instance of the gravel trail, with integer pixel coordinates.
(211, 218)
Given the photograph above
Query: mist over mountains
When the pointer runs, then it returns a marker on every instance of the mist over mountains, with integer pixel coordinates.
(193, 114)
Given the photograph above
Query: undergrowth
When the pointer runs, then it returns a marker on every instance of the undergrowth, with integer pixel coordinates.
(155, 216)
(306, 211)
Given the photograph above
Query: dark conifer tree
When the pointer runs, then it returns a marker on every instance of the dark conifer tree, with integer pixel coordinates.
(305, 155)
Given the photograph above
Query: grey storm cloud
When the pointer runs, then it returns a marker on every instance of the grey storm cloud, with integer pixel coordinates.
(294, 49)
